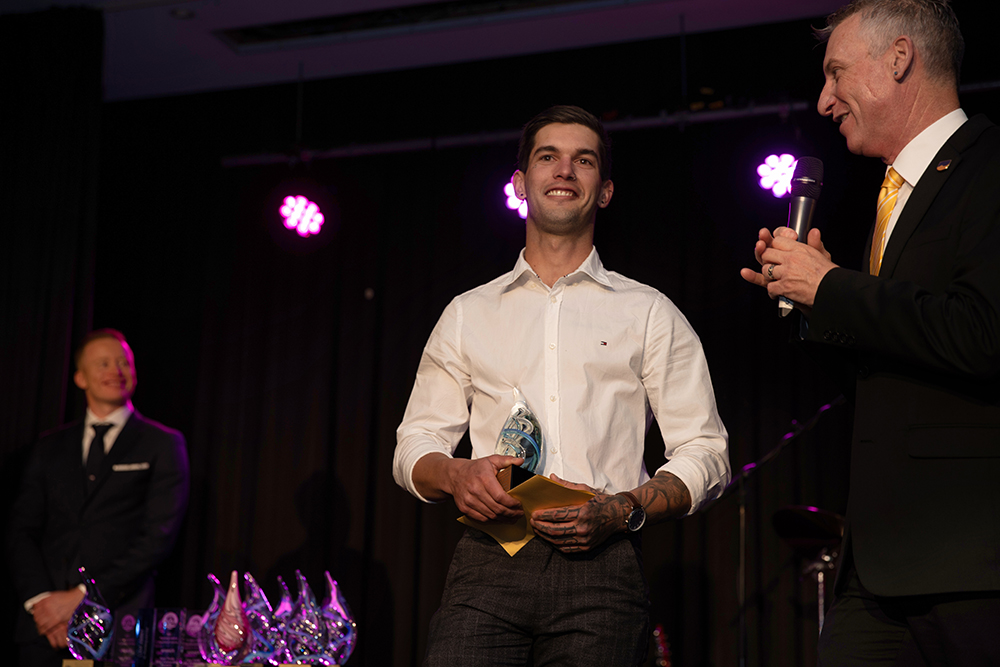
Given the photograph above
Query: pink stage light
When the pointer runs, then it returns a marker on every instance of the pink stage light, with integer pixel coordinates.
(514, 203)
(302, 215)
(776, 173)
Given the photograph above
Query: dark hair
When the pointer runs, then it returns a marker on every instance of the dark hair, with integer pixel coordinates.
(931, 24)
(568, 115)
(97, 334)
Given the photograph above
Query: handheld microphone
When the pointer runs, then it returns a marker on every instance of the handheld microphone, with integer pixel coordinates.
(807, 182)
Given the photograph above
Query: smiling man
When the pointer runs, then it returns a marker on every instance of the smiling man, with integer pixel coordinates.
(915, 338)
(107, 493)
(597, 356)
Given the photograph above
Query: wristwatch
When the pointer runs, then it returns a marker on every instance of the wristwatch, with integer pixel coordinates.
(637, 516)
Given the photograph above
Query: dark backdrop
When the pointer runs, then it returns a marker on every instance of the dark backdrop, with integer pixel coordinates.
(288, 362)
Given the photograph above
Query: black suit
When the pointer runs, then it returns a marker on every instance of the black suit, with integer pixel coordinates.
(923, 339)
(120, 532)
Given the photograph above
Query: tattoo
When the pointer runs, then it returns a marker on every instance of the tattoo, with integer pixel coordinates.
(664, 497)
(565, 514)
(609, 512)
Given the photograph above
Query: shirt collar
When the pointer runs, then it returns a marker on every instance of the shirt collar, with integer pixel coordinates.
(916, 155)
(116, 418)
(591, 267)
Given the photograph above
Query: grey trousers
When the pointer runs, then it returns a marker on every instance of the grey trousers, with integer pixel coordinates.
(541, 607)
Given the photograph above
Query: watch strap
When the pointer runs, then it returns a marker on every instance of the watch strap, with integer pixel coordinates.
(631, 498)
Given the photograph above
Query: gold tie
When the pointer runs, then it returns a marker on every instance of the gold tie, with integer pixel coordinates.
(886, 202)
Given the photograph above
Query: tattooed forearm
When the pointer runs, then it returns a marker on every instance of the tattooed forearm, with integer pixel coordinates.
(664, 497)
(583, 527)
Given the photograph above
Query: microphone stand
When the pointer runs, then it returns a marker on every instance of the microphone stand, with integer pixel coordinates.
(739, 484)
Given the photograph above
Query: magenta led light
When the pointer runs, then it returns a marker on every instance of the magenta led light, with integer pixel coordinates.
(513, 202)
(301, 215)
(776, 173)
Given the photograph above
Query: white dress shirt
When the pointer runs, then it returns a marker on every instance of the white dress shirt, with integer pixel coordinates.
(117, 420)
(596, 356)
(913, 160)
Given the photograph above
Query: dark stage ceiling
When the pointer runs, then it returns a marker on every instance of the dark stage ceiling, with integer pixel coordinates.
(156, 48)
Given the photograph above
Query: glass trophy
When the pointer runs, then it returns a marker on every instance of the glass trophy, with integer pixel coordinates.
(206, 637)
(92, 626)
(342, 631)
(521, 434)
(224, 634)
(267, 640)
(306, 629)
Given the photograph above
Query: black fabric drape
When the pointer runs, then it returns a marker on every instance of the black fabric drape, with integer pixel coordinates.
(50, 78)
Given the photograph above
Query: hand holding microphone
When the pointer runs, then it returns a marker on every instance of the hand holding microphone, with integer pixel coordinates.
(807, 183)
(793, 261)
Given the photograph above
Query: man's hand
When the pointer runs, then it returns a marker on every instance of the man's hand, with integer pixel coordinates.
(52, 615)
(581, 527)
(789, 268)
(58, 636)
(471, 483)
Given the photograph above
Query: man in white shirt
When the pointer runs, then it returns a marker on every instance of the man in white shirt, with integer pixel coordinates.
(107, 494)
(917, 338)
(597, 356)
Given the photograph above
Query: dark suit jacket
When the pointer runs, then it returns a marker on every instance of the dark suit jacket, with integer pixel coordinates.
(119, 533)
(924, 339)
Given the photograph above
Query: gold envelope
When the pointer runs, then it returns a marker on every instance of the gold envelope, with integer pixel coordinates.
(537, 493)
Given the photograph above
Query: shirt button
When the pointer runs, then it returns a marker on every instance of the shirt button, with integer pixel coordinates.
(552, 346)
(552, 398)
(552, 299)
(554, 450)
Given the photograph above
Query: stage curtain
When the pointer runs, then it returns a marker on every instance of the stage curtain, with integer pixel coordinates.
(50, 81)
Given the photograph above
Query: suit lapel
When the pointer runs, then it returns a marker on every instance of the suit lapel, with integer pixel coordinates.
(71, 462)
(931, 182)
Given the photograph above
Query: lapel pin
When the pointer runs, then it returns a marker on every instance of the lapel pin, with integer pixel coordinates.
(943, 164)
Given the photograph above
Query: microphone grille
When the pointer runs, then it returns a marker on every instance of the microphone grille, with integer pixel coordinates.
(807, 181)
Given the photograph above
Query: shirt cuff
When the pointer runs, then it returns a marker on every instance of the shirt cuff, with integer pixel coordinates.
(404, 464)
(701, 484)
(31, 602)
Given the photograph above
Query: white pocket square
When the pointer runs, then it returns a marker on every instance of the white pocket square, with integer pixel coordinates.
(130, 467)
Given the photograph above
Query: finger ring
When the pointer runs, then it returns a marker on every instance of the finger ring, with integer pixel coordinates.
(770, 272)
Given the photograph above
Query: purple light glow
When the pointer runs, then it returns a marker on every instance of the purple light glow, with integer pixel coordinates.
(776, 173)
(301, 215)
(514, 203)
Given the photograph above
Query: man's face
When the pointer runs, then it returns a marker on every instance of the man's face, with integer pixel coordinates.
(106, 374)
(859, 91)
(562, 182)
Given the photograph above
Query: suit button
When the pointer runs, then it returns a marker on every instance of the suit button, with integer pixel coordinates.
(863, 371)
(828, 335)
(850, 339)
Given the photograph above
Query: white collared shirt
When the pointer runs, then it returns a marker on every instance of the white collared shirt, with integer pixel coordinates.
(913, 160)
(596, 356)
(117, 420)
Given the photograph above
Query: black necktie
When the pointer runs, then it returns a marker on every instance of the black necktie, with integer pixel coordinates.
(96, 455)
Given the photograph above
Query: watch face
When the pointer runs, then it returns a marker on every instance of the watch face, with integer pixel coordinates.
(636, 519)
